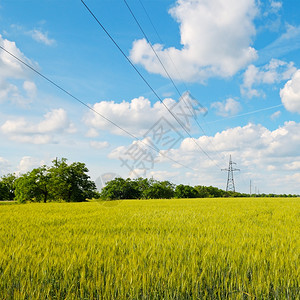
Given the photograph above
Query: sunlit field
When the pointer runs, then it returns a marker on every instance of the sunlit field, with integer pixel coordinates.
(152, 249)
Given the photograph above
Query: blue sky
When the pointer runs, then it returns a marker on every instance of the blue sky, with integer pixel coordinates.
(239, 59)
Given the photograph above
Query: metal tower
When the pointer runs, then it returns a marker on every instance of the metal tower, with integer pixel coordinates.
(230, 181)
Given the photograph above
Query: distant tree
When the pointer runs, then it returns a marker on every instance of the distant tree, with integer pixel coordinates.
(202, 191)
(120, 188)
(143, 184)
(8, 183)
(4, 193)
(185, 191)
(159, 190)
(215, 192)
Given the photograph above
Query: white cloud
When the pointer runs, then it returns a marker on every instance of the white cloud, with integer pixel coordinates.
(11, 69)
(216, 38)
(136, 116)
(275, 115)
(263, 155)
(41, 37)
(99, 145)
(295, 165)
(259, 152)
(227, 108)
(9, 66)
(273, 72)
(55, 122)
(290, 94)
(276, 5)
(27, 163)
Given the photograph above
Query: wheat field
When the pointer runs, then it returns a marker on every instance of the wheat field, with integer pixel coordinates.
(226, 248)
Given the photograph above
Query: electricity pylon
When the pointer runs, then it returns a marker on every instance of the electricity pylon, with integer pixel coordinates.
(230, 187)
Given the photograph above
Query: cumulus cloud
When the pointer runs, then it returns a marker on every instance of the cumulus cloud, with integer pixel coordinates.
(136, 116)
(273, 72)
(55, 122)
(259, 152)
(290, 94)
(9, 66)
(11, 69)
(227, 108)
(263, 155)
(216, 38)
(41, 37)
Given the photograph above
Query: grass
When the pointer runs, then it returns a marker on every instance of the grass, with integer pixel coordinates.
(155, 249)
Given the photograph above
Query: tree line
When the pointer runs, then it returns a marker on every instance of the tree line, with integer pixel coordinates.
(71, 183)
(143, 188)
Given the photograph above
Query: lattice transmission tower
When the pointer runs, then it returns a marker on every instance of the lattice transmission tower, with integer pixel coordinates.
(230, 187)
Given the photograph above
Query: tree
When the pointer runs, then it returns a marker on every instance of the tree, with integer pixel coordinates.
(159, 190)
(8, 184)
(33, 186)
(70, 182)
(4, 193)
(61, 182)
(185, 191)
(120, 188)
(202, 191)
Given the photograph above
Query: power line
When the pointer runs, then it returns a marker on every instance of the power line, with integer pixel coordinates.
(160, 61)
(90, 108)
(144, 79)
(247, 113)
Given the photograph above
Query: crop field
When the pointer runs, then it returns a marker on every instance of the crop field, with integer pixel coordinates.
(154, 249)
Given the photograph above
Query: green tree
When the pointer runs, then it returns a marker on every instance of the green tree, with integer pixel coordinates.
(120, 188)
(159, 190)
(33, 186)
(202, 191)
(185, 191)
(70, 183)
(8, 183)
(4, 193)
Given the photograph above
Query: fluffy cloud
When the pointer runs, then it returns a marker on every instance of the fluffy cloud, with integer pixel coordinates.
(55, 122)
(136, 116)
(27, 163)
(262, 155)
(9, 66)
(273, 72)
(41, 37)
(11, 69)
(216, 39)
(290, 94)
(228, 108)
